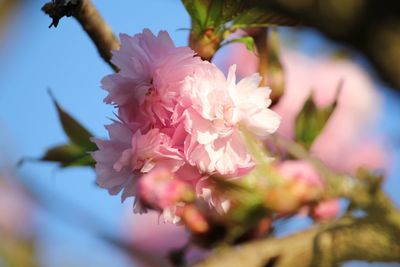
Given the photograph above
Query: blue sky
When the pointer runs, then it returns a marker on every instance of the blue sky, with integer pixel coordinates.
(36, 58)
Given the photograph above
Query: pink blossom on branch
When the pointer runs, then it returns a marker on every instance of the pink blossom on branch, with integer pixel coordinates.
(178, 115)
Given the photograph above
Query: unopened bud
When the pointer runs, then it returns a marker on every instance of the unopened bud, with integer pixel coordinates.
(193, 219)
(160, 189)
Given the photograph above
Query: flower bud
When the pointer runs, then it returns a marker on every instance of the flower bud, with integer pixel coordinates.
(160, 189)
(193, 219)
(325, 210)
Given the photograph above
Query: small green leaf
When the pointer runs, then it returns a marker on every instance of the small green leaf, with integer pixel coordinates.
(86, 160)
(212, 14)
(197, 10)
(74, 130)
(247, 40)
(233, 8)
(260, 17)
(63, 153)
(68, 155)
(311, 120)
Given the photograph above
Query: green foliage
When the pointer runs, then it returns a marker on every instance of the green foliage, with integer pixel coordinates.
(68, 155)
(216, 13)
(74, 130)
(214, 20)
(260, 17)
(76, 152)
(311, 120)
(247, 40)
(212, 13)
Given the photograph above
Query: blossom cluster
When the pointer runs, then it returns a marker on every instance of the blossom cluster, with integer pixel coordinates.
(178, 124)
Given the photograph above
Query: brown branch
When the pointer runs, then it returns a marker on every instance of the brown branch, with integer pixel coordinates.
(325, 245)
(90, 20)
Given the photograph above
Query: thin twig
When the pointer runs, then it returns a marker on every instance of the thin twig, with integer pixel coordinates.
(91, 21)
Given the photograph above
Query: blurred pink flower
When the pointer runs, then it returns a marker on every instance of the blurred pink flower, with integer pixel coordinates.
(160, 189)
(156, 238)
(16, 210)
(358, 106)
(179, 113)
(309, 183)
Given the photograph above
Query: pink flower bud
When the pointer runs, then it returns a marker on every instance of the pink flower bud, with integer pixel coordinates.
(160, 189)
(306, 183)
(306, 186)
(281, 200)
(326, 210)
(193, 219)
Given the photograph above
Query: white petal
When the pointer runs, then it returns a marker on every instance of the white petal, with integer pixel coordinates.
(263, 122)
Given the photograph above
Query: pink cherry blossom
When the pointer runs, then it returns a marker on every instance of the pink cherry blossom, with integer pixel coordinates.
(177, 113)
(111, 173)
(151, 69)
(215, 108)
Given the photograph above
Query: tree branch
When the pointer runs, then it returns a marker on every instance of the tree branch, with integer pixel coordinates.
(325, 245)
(90, 20)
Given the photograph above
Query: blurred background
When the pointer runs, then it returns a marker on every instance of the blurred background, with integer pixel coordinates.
(51, 217)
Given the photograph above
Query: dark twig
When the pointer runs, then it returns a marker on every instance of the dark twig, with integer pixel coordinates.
(91, 21)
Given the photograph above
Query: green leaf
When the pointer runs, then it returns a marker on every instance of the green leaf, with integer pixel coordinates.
(86, 160)
(197, 10)
(311, 120)
(74, 130)
(233, 8)
(68, 155)
(247, 40)
(259, 17)
(214, 14)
